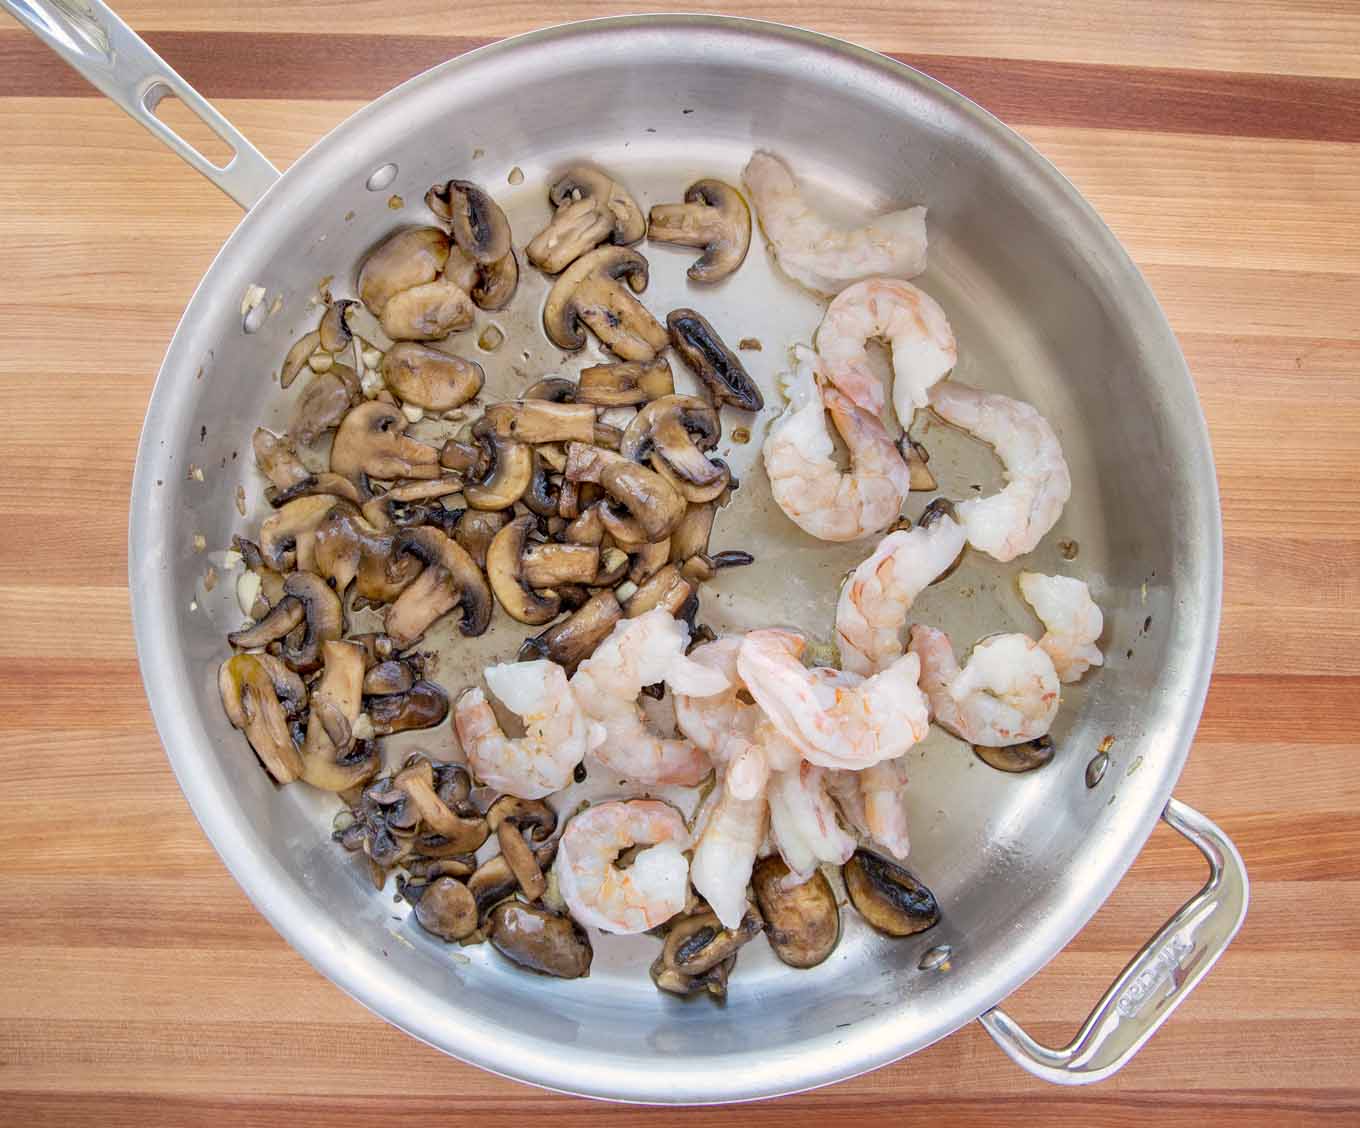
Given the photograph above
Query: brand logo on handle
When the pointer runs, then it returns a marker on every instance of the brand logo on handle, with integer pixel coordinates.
(1164, 965)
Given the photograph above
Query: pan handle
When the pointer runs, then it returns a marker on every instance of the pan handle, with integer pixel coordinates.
(112, 57)
(1158, 978)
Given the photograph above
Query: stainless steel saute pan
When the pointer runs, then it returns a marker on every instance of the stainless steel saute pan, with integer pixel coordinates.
(1045, 303)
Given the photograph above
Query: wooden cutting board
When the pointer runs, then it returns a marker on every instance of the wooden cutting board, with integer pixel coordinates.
(1219, 138)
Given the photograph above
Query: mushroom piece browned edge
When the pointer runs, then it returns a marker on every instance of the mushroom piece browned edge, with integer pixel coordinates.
(450, 579)
(592, 292)
(677, 430)
(505, 570)
(713, 362)
(715, 217)
(803, 922)
(591, 208)
(888, 896)
(541, 940)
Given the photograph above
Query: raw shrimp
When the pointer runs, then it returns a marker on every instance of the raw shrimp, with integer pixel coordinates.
(639, 652)
(725, 853)
(876, 598)
(1010, 523)
(650, 891)
(831, 723)
(800, 461)
(803, 820)
(1007, 693)
(824, 256)
(1072, 622)
(909, 321)
(558, 734)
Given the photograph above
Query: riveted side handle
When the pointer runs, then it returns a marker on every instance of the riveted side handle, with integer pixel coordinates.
(113, 58)
(1156, 981)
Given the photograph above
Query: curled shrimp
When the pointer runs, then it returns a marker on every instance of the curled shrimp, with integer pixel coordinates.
(558, 734)
(824, 256)
(800, 461)
(1072, 622)
(650, 891)
(832, 723)
(1007, 693)
(912, 324)
(725, 852)
(875, 600)
(803, 821)
(1012, 522)
(639, 652)
(722, 725)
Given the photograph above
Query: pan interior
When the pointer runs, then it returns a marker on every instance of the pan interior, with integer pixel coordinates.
(1045, 307)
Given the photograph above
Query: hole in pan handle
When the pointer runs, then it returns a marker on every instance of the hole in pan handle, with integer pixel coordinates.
(113, 58)
(1156, 980)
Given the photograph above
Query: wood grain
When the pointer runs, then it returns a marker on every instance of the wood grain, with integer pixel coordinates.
(1219, 138)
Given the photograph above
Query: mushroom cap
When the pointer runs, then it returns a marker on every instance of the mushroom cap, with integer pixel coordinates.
(698, 942)
(331, 758)
(543, 941)
(409, 257)
(496, 283)
(477, 222)
(446, 909)
(677, 429)
(592, 291)
(428, 312)
(802, 922)
(372, 441)
(712, 361)
(430, 378)
(505, 570)
(334, 332)
(277, 459)
(624, 383)
(422, 705)
(286, 535)
(715, 217)
(323, 403)
(887, 895)
(476, 528)
(573, 640)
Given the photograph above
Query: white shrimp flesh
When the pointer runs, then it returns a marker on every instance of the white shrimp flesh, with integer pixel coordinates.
(1012, 522)
(650, 891)
(821, 255)
(1072, 622)
(803, 821)
(725, 853)
(905, 318)
(558, 735)
(805, 479)
(1007, 693)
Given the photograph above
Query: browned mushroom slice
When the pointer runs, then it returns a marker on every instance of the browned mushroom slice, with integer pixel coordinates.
(372, 441)
(277, 459)
(493, 882)
(314, 485)
(323, 403)
(348, 549)
(478, 224)
(270, 581)
(701, 567)
(677, 430)
(713, 981)
(496, 283)
(592, 291)
(289, 686)
(666, 588)
(422, 706)
(591, 208)
(696, 494)
(428, 378)
(571, 641)
(698, 942)
(390, 676)
(550, 565)
(418, 781)
(287, 536)
(334, 332)
(802, 922)
(713, 362)
(511, 818)
(625, 383)
(282, 618)
(505, 570)
(511, 470)
(715, 217)
(444, 907)
(428, 312)
(542, 421)
(543, 941)
(691, 535)
(253, 705)
(648, 560)
(541, 495)
(649, 499)
(588, 527)
(297, 356)
(411, 257)
(614, 566)
(888, 896)
(450, 579)
(323, 621)
(554, 389)
(475, 530)
(465, 458)
(331, 757)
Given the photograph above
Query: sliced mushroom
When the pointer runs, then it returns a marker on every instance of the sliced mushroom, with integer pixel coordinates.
(460, 865)
(698, 942)
(371, 441)
(496, 283)
(411, 257)
(430, 379)
(588, 527)
(666, 588)
(713, 362)
(702, 567)
(289, 687)
(334, 333)
(714, 980)
(443, 908)
(511, 817)
(571, 641)
(493, 882)
(652, 503)
(475, 530)
(591, 208)
(347, 548)
(614, 565)
(428, 312)
(477, 222)
(422, 706)
(554, 389)
(450, 579)
(465, 458)
(693, 493)
(691, 535)
(277, 459)
(253, 705)
(888, 896)
(269, 585)
(511, 469)
(542, 421)
(803, 922)
(297, 356)
(331, 758)
(551, 565)
(541, 496)
(677, 430)
(464, 833)
(287, 536)
(1015, 758)
(648, 560)
(323, 621)
(390, 676)
(505, 570)
(314, 485)
(592, 291)
(625, 383)
(323, 403)
(282, 618)
(715, 217)
(543, 941)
